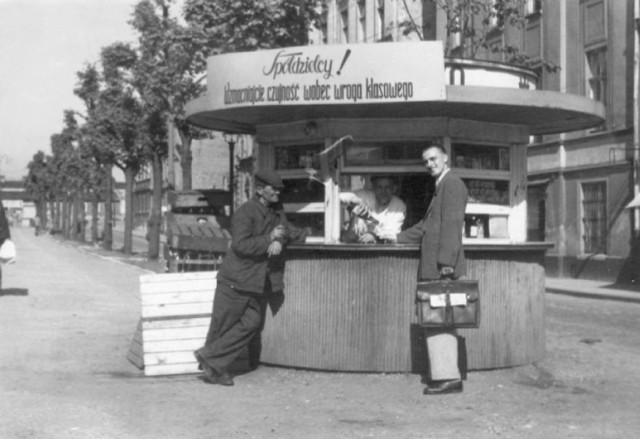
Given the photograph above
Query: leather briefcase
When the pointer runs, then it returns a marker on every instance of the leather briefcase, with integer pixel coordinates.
(448, 304)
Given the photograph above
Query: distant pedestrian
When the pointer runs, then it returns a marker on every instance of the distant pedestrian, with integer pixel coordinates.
(250, 279)
(5, 233)
(36, 224)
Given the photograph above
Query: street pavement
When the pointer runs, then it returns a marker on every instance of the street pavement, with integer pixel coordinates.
(68, 313)
(593, 289)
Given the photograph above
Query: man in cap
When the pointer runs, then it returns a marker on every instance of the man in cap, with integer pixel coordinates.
(250, 277)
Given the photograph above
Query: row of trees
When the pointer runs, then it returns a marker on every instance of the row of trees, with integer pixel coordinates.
(133, 96)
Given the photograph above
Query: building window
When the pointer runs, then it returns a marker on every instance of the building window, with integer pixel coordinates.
(362, 21)
(496, 19)
(324, 24)
(533, 7)
(536, 211)
(594, 39)
(594, 217)
(379, 20)
(344, 21)
(596, 74)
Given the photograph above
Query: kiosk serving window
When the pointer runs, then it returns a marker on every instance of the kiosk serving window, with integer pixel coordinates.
(303, 197)
(380, 154)
(488, 170)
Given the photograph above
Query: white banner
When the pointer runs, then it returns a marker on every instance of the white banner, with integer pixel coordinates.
(328, 74)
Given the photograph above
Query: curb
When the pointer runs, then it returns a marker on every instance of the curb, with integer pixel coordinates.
(619, 297)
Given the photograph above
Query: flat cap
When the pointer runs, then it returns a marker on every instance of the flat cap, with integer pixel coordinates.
(269, 178)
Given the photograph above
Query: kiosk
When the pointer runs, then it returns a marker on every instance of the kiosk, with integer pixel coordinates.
(326, 118)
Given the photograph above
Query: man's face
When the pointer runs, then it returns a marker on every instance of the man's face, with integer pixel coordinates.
(269, 194)
(435, 161)
(384, 189)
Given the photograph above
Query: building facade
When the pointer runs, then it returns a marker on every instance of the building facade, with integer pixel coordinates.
(580, 182)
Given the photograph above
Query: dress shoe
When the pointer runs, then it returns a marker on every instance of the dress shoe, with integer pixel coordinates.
(223, 379)
(444, 387)
(210, 375)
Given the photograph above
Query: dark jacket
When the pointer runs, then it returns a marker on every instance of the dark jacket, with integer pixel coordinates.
(440, 231)
(5, 233)
(246, 265)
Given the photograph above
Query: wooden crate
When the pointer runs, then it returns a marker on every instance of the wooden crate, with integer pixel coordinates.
(175, 315)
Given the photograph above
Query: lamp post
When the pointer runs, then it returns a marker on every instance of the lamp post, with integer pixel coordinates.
(231, 140)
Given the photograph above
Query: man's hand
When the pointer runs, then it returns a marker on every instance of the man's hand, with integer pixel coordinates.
(446, 271)
(367, 238)
(275, 248)
(386, 236)
(278, 232)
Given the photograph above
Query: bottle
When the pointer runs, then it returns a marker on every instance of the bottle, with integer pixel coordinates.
(473, 228)
(365, 214)
(480, 228)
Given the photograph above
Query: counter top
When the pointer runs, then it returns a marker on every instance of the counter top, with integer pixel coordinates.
(479, 246)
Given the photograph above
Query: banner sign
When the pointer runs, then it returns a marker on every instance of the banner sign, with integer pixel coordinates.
(328, 74)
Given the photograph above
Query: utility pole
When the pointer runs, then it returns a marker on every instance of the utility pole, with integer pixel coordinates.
(636, 117)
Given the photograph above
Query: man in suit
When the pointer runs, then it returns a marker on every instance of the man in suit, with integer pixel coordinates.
(441, 255)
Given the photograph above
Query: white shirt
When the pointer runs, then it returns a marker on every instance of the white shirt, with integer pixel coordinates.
(391, 216)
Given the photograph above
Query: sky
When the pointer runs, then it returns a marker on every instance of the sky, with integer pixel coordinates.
(43, 44)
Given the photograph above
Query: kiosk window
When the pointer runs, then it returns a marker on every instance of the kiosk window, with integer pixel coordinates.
(487, 191)
(387, 153)
(297, 157)
(302, 190)
(416, 190)
(303, 200)
(470, 156)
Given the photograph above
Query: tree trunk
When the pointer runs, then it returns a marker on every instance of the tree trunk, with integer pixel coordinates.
(55, 212)
(107, 242)
(155, 217)
(66, 205)
(41, 212)
(75, 218)
(82, 219)
(129, 175)
(186, 160)
(94, 220)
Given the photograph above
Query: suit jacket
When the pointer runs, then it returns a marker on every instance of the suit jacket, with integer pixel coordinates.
(440, 231)
(246, 265)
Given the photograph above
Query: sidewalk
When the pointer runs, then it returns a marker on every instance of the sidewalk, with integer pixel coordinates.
(593, 289)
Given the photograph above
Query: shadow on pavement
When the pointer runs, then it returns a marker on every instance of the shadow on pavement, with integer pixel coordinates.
(14, 292)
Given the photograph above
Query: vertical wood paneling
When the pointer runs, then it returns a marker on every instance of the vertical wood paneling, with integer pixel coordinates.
(354, 312)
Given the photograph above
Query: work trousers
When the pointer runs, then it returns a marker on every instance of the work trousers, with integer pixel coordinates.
(237, 318)
(442, 348)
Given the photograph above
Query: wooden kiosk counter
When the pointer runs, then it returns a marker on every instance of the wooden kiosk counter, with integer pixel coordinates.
(327, 118)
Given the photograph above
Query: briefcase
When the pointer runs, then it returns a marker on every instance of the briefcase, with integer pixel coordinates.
(448, 303)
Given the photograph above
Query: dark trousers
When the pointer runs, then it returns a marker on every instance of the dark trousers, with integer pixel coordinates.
(237, 318)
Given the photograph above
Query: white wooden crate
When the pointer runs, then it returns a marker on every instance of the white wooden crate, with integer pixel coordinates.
(175, 315)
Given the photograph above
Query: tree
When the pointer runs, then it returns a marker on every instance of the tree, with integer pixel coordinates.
(115, 122)
(169, 72)
(244, 25)
(95, 144)
(476, 22)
